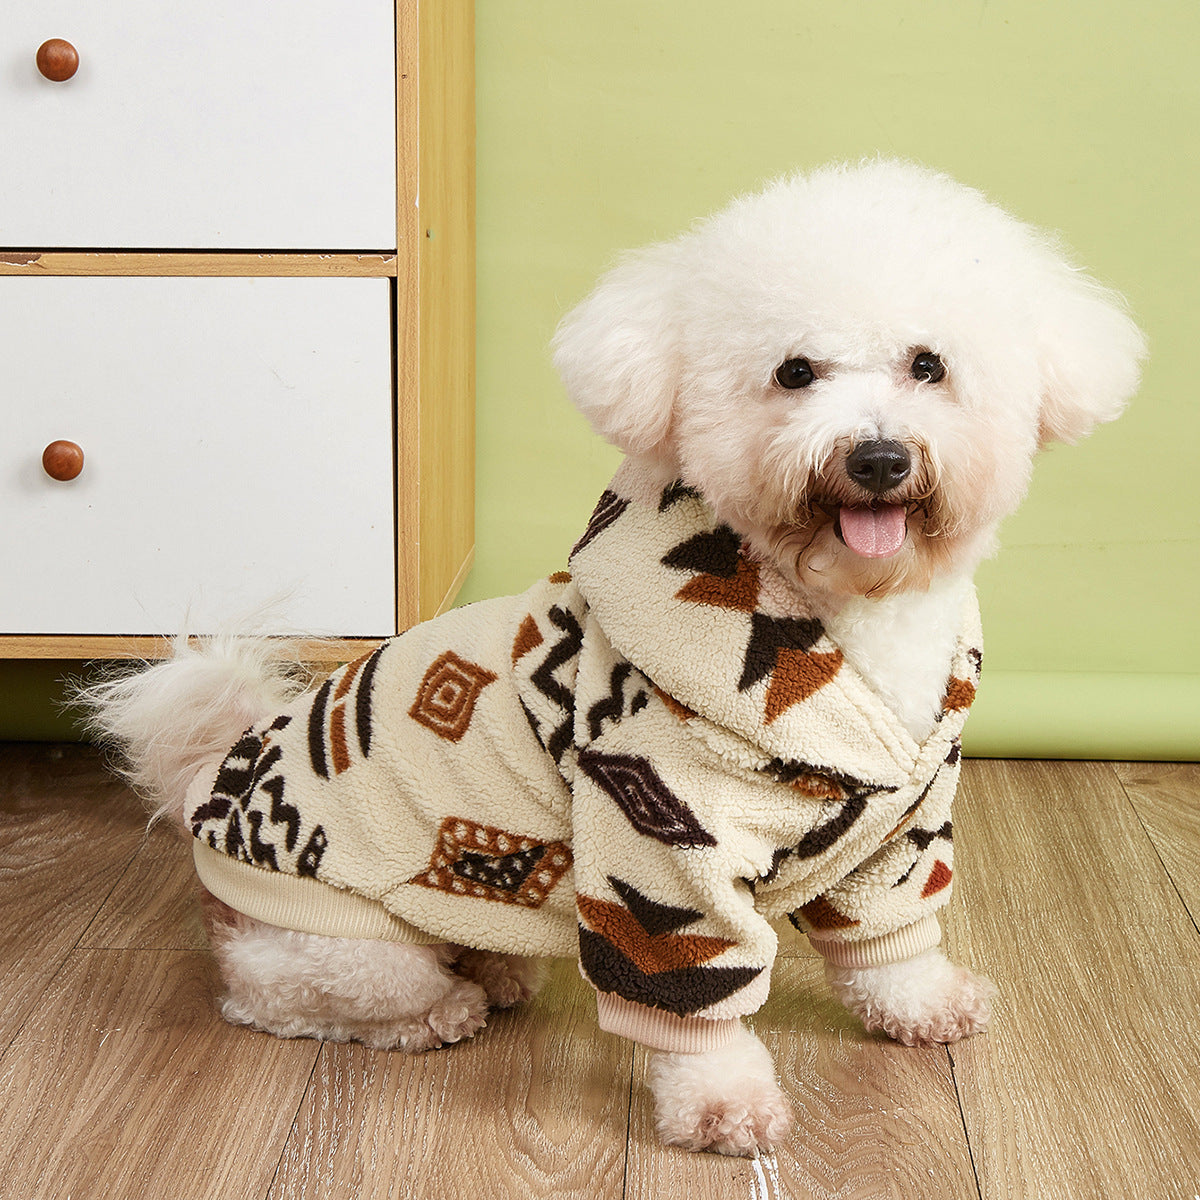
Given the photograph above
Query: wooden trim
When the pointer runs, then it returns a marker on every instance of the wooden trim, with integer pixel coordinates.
(408, 303)
(86, 262)
(149, 647)
(456, 583)
(446, 361)
(435, 303)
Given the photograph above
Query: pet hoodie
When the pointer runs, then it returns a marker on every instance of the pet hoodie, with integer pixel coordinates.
(643, 762)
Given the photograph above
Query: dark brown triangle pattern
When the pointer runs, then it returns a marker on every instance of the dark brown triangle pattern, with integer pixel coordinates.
(634, 950)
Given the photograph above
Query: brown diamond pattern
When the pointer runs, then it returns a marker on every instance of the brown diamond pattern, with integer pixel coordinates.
(446, 698)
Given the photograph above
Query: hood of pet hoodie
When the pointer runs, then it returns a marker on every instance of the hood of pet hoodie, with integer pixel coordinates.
(726, 642)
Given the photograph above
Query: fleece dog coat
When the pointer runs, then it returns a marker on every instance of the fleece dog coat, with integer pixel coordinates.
(642, 762)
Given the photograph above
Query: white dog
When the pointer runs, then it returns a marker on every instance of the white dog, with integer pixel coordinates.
(742, 703)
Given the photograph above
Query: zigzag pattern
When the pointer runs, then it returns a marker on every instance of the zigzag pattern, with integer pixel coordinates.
(247, 817)
(628, 694)
(546, 684)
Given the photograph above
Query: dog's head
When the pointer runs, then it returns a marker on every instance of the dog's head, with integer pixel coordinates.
(854, 367)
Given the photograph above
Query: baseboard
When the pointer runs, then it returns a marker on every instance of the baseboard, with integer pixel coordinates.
(1018, 714)
(1028, 714)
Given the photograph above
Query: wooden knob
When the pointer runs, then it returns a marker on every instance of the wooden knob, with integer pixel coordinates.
(57, 60)
(62, 461)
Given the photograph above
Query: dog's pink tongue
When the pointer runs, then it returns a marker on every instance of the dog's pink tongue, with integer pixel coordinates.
(874, 532)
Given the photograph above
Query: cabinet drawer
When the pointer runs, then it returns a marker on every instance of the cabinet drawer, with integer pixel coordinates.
(228, 124)
(238, 448)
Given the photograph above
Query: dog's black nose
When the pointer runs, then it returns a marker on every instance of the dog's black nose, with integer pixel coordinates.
(878, 466)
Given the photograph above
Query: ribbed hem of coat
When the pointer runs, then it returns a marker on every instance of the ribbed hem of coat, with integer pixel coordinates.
(893, 947)
(662, 1030)
(300, 903)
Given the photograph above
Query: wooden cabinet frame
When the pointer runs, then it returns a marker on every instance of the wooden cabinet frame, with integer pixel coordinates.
(434, 329)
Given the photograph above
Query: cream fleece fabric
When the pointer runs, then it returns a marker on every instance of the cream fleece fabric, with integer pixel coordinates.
(643, 762)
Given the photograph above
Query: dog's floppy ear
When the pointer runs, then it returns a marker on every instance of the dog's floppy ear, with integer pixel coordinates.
(1090, 354)
(617, 353)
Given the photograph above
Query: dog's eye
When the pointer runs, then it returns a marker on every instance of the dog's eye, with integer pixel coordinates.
(928, 368)
(795, 373)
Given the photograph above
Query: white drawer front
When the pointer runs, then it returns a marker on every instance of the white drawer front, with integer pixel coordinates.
(237, 436)
(227, 124)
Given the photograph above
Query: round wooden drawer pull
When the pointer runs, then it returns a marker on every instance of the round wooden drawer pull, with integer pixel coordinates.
(62, 461)
(57, 60)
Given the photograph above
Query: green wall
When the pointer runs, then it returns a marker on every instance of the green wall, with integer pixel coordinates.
(607, 124)
(604, 124)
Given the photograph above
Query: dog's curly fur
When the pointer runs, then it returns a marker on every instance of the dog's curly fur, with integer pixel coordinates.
(880, 309)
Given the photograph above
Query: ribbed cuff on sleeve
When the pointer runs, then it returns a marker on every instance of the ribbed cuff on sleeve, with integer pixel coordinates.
(661, 1030)
(893, 947)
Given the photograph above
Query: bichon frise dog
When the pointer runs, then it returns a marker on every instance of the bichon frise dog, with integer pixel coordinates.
(741, 703)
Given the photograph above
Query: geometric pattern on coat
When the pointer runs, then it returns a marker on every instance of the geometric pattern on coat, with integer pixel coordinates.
(647, 802)
(634, 950)
(780, 648)
(249, 796)
(328, 742)
(446, 698)
(546, 661)
(470, 859)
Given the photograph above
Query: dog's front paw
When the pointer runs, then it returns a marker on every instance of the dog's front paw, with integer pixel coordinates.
(923, 1001)
(725, 1100)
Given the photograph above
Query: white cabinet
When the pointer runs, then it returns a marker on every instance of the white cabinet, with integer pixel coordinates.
(227, 124)
(237, 274)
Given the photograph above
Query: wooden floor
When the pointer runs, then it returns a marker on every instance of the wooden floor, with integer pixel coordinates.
(1078, 891)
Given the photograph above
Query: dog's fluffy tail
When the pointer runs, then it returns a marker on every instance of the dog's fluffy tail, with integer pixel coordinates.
(167, 719)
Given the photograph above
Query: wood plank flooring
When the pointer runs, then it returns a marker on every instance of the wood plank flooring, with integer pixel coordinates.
(1077, 890)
